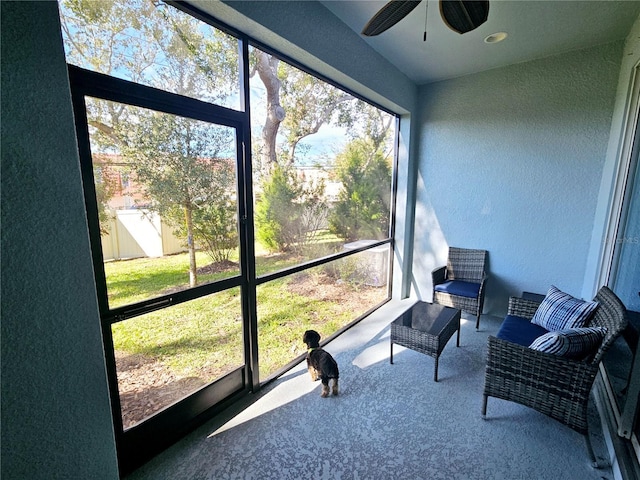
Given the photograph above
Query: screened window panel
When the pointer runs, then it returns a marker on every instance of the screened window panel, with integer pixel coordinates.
(325, 298)
(322, 167)
(153, 44)
(166, 196)
(163, 356)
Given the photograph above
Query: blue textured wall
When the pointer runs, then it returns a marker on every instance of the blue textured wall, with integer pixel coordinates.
(511, 161)
(56, 418)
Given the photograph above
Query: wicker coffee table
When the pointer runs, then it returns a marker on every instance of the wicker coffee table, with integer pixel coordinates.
(426, 328)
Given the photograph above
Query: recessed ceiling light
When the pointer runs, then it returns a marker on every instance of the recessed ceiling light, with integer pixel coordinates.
(496, 37)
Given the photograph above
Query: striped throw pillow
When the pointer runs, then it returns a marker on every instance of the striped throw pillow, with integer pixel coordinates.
(559, 311)
(576, 343)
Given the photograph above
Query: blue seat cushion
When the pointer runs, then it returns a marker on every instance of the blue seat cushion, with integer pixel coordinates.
(520, 330)
(459, 288)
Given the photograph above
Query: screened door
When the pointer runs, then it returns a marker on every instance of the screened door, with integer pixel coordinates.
(163, 193)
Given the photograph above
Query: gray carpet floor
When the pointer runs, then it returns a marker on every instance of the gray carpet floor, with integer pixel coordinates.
(389, 421)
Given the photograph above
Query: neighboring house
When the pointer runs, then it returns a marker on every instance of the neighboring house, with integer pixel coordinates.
(134, 231)
(122, 189)
(314, 175)
(131, 230)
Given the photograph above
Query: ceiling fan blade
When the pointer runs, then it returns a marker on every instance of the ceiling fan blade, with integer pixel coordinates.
(388, 16)
(464, 15)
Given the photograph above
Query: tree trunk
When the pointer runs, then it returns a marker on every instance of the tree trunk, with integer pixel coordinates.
(267, 67)
(193, 275)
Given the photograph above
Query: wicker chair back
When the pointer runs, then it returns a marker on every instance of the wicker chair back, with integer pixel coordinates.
(466, 264)
(611, 314)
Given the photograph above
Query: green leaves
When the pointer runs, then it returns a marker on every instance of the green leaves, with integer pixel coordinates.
(363, 207)
(289, 212)
(154, 44)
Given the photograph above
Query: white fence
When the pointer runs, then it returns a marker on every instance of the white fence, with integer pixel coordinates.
(139, 233)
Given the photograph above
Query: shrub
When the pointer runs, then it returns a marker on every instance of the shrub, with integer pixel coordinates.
(289, 212)
(363, 206)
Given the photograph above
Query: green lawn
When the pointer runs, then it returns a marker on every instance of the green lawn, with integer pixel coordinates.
(130, 281)
(203, 338)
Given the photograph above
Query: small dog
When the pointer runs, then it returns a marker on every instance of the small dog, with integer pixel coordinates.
(320, 363)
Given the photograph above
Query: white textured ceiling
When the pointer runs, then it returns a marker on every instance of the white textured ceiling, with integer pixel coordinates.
(535, 29)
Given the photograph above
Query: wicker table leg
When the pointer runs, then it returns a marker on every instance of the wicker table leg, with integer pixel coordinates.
(435, 370)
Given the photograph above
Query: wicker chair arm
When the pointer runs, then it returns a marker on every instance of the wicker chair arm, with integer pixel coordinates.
(439, 275)
(551, 384)
(520, 307)
(528, 359)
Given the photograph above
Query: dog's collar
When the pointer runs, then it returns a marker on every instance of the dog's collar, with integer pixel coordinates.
(312, 349)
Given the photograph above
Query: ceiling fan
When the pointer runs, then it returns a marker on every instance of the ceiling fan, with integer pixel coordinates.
(459, 15)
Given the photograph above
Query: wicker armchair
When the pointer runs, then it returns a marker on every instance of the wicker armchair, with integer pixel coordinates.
(553, 385)
(460, 284)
